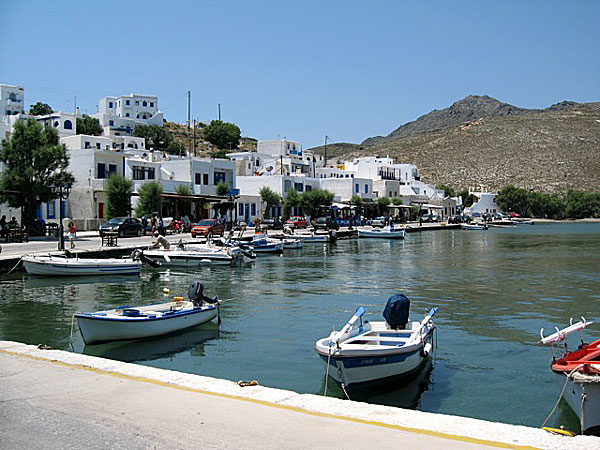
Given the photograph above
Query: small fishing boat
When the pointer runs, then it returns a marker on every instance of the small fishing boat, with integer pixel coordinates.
(383, 233)
(61, 265)
(263, 244)
(138, 322)
(473, 226)
(314, 237)
(290, 244)
(364, 353)
(578, 371)
(193, 256)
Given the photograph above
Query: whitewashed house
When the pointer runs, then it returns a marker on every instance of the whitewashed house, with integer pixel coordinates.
(119, 115)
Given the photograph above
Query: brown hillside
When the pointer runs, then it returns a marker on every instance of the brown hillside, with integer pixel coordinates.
(552, 150)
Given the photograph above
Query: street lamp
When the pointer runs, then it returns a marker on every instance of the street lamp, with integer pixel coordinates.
(62, 192)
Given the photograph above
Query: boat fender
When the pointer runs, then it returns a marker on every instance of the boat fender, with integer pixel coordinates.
(166, 290)
(426, 350)
(560, 431)
(177, 299)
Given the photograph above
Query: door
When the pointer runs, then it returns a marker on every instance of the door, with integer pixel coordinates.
(101, 210)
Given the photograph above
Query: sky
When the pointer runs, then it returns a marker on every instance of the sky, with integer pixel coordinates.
(302, 70)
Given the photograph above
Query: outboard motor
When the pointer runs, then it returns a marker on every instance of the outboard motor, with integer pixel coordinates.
(196, 294)
(396, 311)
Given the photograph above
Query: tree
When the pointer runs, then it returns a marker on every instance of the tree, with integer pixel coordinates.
(356, 200)
(467, 198)
(34, 162)
(291, 200)
(118, 196)
(512, 198)
(40, 109)
(270, 197)
(450, 192)
(175, 148)
(183, 189)
(220, 154)
(158, 138)
(222, 189)
(89, 125)
(224, 135)
(310, 201)
(150, 199)
(382, 203)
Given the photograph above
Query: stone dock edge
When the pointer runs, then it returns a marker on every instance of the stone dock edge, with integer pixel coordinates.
(453, 428)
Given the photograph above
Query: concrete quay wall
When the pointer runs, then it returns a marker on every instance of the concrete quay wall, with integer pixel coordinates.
(58, 399)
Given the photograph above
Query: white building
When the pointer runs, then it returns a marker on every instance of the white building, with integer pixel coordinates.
(485, 203)
(12, 100)
(119, 115)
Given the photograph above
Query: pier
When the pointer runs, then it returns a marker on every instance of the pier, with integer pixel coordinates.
(58, 399)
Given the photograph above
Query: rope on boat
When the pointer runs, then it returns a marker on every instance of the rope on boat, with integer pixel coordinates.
(10, 271)
(561, 393)
(344, 389)
(71, 338)
(327, 370)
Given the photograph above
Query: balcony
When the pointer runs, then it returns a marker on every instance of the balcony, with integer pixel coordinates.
(99, 184)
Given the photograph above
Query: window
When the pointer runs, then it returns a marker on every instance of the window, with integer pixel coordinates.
(287, 185)
(56, 124)
(144, 103)
(111, 123)
(205, 179)
(241, 209)
(126, 114)
(68, 125)
(299, 187)
(98, 145)
(87, 144)
(137, 103)
(50, 210)
(197, 179)
(151, 104)
(253, 209)
(219, 176)
(112, 169)
(308, 188)
(138, 172)
(150, 171)
(356, 188)
(127, 102)
(101, 170)
(110, 104)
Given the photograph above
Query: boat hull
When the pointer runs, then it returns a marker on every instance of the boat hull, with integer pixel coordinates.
(190, 258)
(54, 266)
(362, 233)
(97, 329)
(588, 411)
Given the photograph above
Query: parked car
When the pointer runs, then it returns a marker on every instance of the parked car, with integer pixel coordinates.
(433, 217)
(378, 222)
(208, 226)
(326, 223)
(273, 223)
(296, 222)
(124, 226)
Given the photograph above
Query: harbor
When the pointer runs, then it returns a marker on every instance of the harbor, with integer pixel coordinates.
(494, 289)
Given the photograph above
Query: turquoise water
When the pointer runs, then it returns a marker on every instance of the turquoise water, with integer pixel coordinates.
(495, 290)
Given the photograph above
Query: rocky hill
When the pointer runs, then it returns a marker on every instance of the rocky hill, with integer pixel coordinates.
(481, 142)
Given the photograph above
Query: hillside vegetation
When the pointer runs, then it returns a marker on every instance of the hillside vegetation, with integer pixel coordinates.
(480, 142)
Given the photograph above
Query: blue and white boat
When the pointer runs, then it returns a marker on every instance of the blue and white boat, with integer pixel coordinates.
(138, 322)
(263, 244)
(365, 352)
(60, 265)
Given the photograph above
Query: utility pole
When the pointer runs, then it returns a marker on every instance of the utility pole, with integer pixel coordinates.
(325, 157)
(194, 139)
(219, 112)
(189, 102)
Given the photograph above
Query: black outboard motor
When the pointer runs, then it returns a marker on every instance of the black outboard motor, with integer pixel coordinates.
(396, 311)
(196, 294)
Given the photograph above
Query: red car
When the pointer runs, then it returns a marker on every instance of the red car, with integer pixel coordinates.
(208, 226)
(296, 222)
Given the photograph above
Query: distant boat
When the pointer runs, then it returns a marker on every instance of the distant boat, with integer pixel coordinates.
(363, 353)
(60, 265)
(138, 322)
(473, 226)
(383, 233)
(196, 255)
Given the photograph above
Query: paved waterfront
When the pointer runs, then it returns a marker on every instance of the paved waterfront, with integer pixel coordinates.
(55, 399)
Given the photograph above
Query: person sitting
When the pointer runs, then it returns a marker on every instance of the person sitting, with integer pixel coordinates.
(13, 223)
(161, 241)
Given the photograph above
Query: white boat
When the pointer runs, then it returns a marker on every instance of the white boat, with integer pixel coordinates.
(290, 243)
(384, 233)
(578, 372)
(473, 226)
(60, 265)
(129, 322)
(193, 256)
(263, 244)
(314, 237)
(364, 353)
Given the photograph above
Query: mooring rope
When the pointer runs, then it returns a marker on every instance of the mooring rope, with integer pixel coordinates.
(71, 337)
(561, 393)
(10, 271)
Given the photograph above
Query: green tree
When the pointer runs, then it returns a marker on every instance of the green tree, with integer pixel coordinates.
(220, 154)
(224, 135)
(397, 201)
(89, 125)
(310, 201)
(382, 204)
(270, 197)
(512, 199)
(183, 189)
(356, 200)
(222, 189)
(175, 148)
(291, 200)
(579, 205)
(118, 196)
(150, 199)
(158, 138)
(40, 109)
(467, 198)
(34, 161)
(450, 192)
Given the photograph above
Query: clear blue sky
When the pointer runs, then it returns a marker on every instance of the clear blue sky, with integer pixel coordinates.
(302, 69)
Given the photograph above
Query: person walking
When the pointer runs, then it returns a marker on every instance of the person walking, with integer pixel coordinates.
(72, 233)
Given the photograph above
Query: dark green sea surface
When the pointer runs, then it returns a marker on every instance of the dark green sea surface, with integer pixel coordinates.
(495, 289)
